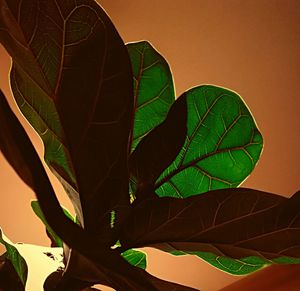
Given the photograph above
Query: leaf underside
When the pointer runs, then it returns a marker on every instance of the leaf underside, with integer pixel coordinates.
(82, 107)
(235, 230)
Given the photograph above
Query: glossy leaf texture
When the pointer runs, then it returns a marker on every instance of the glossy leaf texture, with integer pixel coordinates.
(55, 239)
(153, 88)
(222, 145)
(251, 226)
(72, 80)
(136, 258)
(158, 149)
(13, 255)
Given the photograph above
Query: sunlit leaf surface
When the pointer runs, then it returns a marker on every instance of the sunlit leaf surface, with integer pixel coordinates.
(135, 258)
(221, 149)
(153, 88)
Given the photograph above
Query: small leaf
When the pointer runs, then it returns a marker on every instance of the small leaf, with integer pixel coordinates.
(135, 258)
(159, 148)
(56, 241)
(248, 225)
(153, 88)
(221, 149)
(14, 256)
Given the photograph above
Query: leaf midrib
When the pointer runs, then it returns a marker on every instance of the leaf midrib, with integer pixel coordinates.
(195, 161)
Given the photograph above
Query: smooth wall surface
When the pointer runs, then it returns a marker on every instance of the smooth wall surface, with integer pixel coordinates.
(251, 47)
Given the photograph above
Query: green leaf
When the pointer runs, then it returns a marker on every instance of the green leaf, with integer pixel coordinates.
(221, 149)
(242, 266)
(135, 258)
(236, 230)
(72, 79)
(14, 256)
(158, 149)
(153, 88)
(52, 235)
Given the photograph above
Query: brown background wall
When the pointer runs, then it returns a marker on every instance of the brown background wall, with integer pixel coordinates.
(252, 47)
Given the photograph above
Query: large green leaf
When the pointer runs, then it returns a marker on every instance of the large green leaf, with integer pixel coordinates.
(14, 256)
(221, 149)
(153, 88)
(135, 258)
(55, 239)
(237, 230)
(72, 80)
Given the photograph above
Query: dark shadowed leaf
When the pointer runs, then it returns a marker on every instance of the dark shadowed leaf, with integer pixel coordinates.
(221, 149)
(87, 273)
(135, 258)
(72, 80)
(12, 254)
(56, 241)
(153, 88)
(158, 149)
(20, 153)
(9, 278)
(108, 262)
(251, 225)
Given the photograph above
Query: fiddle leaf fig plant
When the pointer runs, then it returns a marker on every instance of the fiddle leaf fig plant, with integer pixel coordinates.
(141, 167)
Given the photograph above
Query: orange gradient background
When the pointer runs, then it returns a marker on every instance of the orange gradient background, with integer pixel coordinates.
(251, 47)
